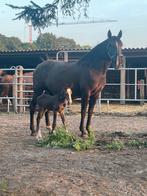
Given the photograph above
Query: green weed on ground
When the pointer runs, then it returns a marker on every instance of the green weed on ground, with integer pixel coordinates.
(120, 145)
(137, 143)
(4, 185)
(64, 139)
(115, 145)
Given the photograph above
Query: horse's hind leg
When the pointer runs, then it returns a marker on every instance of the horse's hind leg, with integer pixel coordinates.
(32, 111)
(47, 120)
(38, 131)
(84, 103)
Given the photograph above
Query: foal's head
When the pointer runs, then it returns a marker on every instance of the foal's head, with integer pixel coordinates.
(65, 95)
(114, 49)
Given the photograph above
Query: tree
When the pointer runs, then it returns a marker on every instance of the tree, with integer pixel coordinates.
(2, 42)
(46, 40)
(9, 43)
(13, 43)
(50, 41)
(42, 17)
(63, 42)
(30, 46)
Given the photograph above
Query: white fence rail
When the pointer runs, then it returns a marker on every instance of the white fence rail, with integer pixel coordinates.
(20, 85)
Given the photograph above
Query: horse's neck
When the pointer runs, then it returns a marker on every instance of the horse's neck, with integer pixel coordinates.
(97, 58)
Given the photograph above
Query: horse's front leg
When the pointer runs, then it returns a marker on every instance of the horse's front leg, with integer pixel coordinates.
(63, 119)
(47, 120)
(84, 103)
(92, 102)
(54, 120)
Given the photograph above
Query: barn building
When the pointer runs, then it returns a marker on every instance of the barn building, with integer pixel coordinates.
(136, 59)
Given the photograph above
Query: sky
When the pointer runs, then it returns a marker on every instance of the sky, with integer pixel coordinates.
(131, 16)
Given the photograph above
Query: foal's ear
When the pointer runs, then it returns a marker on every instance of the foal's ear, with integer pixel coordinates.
(119, 34)
(109, 34)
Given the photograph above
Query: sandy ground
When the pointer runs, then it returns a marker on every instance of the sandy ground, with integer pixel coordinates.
(29, 170)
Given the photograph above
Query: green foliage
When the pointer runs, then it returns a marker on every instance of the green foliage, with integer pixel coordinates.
(137, 143)
(63, 42)
(64, 139)
(4, 185)
(42, 17)
(50, 41)
(28, 46)
(44, 41)
(115, 145)
(14, 43)
(59, 138)
(84, 144)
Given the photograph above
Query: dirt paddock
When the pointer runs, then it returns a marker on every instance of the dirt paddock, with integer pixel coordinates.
(29, 170)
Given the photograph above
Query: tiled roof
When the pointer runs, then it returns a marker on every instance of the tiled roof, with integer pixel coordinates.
(128, 52)
(71, 49)
(44, 50)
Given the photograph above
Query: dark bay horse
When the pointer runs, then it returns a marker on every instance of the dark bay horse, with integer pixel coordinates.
(87, 77)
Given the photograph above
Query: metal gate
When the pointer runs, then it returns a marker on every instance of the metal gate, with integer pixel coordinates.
(131, 85)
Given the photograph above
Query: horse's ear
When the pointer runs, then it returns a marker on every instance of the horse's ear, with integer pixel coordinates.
(109, 34)
(119, 34)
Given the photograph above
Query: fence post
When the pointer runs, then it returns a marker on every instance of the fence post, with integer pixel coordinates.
(65, 56)
(122, 86)
(123, 82)
(14, 91)
(145, 82)
(141, 91)
(99, 103)
(20, 87)
(135, 85)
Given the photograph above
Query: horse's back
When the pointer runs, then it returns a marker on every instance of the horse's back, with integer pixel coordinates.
(50, 73)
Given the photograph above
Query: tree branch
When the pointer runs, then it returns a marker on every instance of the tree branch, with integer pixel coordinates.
(42, 17)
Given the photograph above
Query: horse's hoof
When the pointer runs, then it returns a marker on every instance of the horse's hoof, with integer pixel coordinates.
(39, 138)
(84, 135)
(49, 128)
(33, 133)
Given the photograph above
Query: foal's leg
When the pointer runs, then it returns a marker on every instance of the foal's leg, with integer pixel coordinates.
(54, 120)
(84, 103)
(63, 119)
(92, 103)
(47, 120)
(39, 116)
(32, 110)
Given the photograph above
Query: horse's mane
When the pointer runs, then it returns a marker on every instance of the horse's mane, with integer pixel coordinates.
(97, 53)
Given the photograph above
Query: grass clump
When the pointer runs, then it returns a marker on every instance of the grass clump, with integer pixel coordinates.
(62, 138)
(115, 145)
(4, 185)
(59, 138)
(137, 143)
(84, 144)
